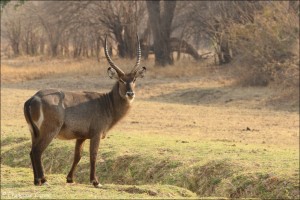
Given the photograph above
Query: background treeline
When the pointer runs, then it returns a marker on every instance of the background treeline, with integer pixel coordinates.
(262, 35)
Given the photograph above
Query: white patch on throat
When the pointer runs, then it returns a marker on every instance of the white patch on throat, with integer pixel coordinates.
(129, 100)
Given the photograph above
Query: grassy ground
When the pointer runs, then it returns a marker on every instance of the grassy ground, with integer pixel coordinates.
(20, 187)
(186, 135)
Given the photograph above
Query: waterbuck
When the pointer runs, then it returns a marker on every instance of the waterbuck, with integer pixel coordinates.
(67, 115)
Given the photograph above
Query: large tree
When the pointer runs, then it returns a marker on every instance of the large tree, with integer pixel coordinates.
(161, 16)
(121, 19)
(56, 18)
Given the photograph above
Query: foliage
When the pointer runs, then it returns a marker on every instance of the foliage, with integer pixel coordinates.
(268, 48)
(3, 3)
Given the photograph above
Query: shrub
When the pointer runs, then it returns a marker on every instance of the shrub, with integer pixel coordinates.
(267, 48)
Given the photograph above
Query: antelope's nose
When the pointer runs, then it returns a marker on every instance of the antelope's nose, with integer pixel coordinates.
(130, 94)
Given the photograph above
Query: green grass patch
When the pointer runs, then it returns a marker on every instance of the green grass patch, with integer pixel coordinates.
(208, 168)
(17, 183)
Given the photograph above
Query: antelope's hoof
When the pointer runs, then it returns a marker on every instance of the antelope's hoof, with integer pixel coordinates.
(40, 181)
(37, 182)
(96, 184)
(45, 184)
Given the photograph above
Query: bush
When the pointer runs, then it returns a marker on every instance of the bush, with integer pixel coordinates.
(267, 48)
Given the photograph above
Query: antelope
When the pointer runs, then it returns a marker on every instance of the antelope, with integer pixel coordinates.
(53, 113)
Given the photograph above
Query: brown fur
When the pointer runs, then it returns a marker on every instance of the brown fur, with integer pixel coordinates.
(75, 115)
(79, 115)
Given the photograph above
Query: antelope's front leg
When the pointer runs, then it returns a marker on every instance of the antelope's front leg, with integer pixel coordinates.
(94, 145)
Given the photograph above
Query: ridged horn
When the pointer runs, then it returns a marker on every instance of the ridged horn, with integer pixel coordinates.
(111, 63)
(138, 59)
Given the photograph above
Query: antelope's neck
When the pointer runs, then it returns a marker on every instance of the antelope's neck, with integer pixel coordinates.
(120, 105)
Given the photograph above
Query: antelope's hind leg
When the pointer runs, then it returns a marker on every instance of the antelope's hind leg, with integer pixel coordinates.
(77, 157)
(44, 112)
(47, 131)
(35, 180)
(38, 147)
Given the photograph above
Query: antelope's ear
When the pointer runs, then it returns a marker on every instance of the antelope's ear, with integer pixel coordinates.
(112, 73)
(141, 73)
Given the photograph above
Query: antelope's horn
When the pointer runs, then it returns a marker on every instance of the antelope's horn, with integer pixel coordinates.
(119, 71)
(138, 59)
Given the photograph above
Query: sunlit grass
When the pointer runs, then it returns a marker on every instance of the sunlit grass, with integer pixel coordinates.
(129, 158)
(21, 187)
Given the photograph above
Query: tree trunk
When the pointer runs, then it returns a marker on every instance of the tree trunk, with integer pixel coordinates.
(145, 41)
(33, 44)
(126, 40)
(98, 46)
(181, 45)
(160, 23)
(130, 40)
(54, 49)
(15, 36)
(15, 48)
(223, 50)
(42, 46)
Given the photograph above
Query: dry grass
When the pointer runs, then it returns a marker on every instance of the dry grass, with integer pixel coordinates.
(30, 68)
(35, 68)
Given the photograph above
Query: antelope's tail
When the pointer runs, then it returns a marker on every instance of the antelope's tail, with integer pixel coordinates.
(33, 129)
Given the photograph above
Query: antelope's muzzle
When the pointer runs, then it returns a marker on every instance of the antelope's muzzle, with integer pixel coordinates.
(130, 94)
